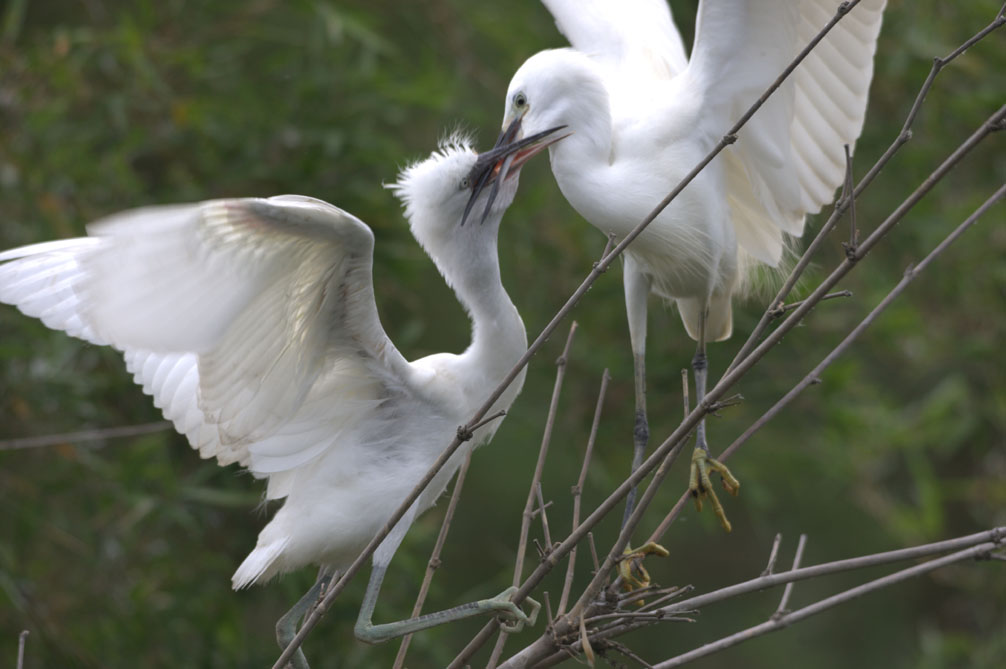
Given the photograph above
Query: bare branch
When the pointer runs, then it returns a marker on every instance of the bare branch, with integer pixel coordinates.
(85, 435)
(578, 489)
(842, 597)
(848, 188)
(546, 438)
(782, 309)
(544, 517)
(22, 639)
(773, 554)
(788, 590)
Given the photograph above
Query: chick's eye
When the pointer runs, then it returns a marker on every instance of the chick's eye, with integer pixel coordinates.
(519, 100)
(465, 184)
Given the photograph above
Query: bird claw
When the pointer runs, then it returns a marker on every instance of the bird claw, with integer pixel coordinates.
(700, 486)
(631, 569)
(503, 604)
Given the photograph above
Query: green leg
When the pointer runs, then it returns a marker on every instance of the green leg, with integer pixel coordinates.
(286, 627)
(640, 431)
(365, 630)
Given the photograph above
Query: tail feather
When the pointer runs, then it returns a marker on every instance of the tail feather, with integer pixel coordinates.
(257, 564)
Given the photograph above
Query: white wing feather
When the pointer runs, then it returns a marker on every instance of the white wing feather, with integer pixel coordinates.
(789, 158)
(251, 322)
(629, 35)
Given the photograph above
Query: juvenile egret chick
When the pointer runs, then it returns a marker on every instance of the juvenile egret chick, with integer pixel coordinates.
(643, 115)
(253, 325)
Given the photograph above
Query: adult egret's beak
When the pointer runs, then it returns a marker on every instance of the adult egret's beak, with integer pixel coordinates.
(505, 160)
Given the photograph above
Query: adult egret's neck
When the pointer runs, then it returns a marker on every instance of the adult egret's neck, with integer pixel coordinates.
(586, 111)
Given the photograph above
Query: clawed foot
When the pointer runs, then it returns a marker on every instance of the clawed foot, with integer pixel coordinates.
(631, 569)
(700, 486)
(503, 604)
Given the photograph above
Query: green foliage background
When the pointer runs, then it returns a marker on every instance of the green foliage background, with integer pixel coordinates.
(119, 554)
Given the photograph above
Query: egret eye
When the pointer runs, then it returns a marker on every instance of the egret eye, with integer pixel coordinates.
(519, 100)
(465, 184)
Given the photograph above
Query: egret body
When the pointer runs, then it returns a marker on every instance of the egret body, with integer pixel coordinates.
(642, 115)
(252, 323)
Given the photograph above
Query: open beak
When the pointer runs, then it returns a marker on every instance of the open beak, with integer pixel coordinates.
(504, 160)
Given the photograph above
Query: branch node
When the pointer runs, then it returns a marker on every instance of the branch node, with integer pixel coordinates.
(733, 400)
(729, 139)
(851, 251)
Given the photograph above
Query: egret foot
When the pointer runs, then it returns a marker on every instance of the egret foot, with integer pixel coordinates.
(700, 486)
(631, 569)
(503, 604)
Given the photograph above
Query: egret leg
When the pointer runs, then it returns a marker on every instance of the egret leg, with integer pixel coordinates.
(637, 291)
(286, 626)
(703, 463)
(365, 630)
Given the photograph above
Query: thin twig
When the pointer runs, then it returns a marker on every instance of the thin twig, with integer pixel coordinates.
(782, 309)
(578, 489)
(627, 652)
(827, 603)
(642, 615)
(773, 554)
(673, 593)
(848, 187)
(84, 435)
(781, 610)
(593, 551)
(546, 438)
(434, 563)
(544, 516)
(22, 639)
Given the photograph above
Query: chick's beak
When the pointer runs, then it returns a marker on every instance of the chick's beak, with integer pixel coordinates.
(504, 160)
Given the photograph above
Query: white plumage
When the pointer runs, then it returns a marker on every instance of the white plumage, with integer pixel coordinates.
(253, 325)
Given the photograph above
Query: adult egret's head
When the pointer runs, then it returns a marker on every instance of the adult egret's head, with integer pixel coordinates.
(557, 87)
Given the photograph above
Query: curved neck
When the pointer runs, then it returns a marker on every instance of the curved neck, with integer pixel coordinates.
(588, 115)
(498, 334)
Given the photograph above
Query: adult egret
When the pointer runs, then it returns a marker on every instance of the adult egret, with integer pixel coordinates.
(643, 115)
(253, 325)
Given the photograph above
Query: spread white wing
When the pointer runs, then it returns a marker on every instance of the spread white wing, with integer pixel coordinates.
(627, 35)
(252, 322)
(789, 158)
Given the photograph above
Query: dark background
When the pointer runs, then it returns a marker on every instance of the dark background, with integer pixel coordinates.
(119, 553)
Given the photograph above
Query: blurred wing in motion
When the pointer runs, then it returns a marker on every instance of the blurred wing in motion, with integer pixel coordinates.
(252, 322)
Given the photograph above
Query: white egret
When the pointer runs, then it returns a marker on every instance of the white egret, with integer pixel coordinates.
(253, 325)
(643, 115)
